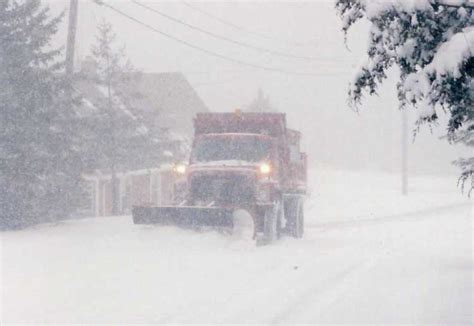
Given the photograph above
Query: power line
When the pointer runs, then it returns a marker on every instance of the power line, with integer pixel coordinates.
(212, 83)
(237, 79)
(239, 28)
(201, 49)
(220, 37)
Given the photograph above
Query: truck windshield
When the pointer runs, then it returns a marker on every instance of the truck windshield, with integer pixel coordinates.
(223, 148)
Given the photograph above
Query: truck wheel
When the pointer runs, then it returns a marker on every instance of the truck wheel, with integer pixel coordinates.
(299, 229)
(272, 222)
(294, 214)
(279, 219)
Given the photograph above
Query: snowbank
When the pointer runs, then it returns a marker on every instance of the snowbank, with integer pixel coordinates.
(369, 255)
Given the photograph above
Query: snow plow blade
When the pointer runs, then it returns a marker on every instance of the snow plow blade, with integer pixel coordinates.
(183, 216)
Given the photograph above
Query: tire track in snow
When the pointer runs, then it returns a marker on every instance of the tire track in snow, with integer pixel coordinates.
(340, 282)
(327, 291)
(408, 216)
(320, 288)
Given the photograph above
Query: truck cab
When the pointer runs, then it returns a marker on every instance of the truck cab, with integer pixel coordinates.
(233, 169)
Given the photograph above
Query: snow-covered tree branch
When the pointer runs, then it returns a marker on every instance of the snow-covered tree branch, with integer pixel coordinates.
(432, 43)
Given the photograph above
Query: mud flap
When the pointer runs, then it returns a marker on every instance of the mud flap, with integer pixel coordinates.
(184, 216)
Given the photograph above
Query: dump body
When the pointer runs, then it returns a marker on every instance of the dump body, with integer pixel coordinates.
(271, 124)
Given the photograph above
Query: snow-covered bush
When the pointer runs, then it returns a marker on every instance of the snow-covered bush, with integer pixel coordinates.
(432, 43)
(39, 164)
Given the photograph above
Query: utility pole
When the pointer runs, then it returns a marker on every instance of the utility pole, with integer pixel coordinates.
(71, 37)
(404, 152)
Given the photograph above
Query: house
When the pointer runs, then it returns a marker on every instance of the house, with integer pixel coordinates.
(167, 100)
(173, 101)
(154, 186)
(168, 104)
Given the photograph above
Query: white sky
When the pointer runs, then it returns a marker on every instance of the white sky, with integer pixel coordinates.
(312, 23)
(314, 104)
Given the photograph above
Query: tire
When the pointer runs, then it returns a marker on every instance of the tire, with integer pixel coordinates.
(272, 222)
(294, 214)
(299, 229)
(279, 221)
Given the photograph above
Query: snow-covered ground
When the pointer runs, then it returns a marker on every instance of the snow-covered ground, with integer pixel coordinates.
(369, 255)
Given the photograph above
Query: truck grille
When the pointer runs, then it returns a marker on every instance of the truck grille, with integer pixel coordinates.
(229, 190)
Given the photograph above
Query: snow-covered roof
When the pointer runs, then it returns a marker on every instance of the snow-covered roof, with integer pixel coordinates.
(172, 101)
(98, 175)
(161, 105)
(166, 100)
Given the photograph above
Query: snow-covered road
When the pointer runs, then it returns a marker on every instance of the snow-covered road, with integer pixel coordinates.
(368, 256)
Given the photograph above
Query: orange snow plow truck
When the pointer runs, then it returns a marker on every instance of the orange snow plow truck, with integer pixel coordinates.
(248, 161)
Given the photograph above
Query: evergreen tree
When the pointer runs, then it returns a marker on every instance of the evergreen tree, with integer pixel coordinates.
(433, 46)
(39, 162)
(118, 136)
(261, 103)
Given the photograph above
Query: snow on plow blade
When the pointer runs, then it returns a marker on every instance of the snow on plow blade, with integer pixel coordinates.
(184, 216)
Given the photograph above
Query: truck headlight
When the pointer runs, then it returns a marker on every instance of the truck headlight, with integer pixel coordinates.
(265, 168)
(180, 168)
